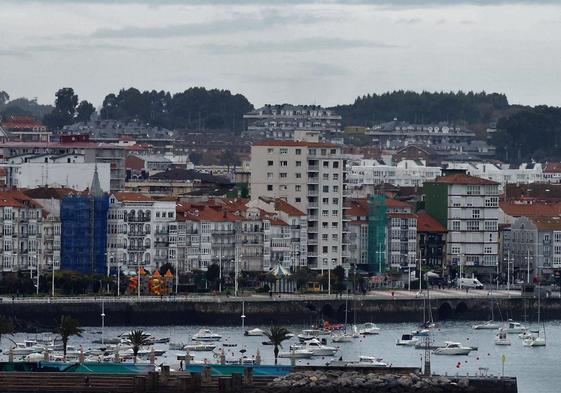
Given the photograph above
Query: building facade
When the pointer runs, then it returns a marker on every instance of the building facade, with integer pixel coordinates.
(469, 208)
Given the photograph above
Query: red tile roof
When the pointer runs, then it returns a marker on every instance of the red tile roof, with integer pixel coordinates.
(295, 144)
(203, 212)
(285, 207)
(547, 223)
(358, 222)
(462, 178)
(21, 122)
(552, 167)
(395, 203)
(427, 223)
(133, 162)
(402, 215)
(132, 196)
(530, 210)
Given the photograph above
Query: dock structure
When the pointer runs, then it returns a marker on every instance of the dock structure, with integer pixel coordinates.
(208, 381)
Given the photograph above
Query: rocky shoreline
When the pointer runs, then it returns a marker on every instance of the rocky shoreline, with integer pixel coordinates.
(336, 381)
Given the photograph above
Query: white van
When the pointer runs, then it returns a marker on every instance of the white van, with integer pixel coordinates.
(469, 283)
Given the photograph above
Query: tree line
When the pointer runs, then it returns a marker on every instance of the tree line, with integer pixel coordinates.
(424, 107)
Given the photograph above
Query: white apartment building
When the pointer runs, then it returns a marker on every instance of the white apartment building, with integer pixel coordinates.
(21, 222)
(406, 173)
(503, 174)
(141, 231)
(469, 208)
(309, 175)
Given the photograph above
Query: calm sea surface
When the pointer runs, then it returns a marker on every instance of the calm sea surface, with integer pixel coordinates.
(537, 369)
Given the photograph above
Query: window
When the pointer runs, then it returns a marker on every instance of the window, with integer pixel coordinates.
(325, 201)
(325, 188)
(323, 152)
(297, 188)
(473, 190)
(283, 175)
(335, 176)
(325, 213)
(298, 175)
(170, 214)
(284, 163)
(334, 248)
(297, 199)
(335, 201)
(269, 175)
(492, 202)
(334, 212)
(456, 250)
(475, 213)
(335, 188)
(334, 236)
(283, 151)
(455, 225)
(473, 225)
(334, 224)
(298, 163)
(298, 152)
(333, 151)
(283, 187)
(325, 236)
(325, 249)
(490, 225)
(269, 187)
(488, 250)
(269, 163)
(335, 164)
(325, 176)
(557, 236)
(270, 150)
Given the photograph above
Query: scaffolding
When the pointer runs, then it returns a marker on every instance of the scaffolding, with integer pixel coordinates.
(377, 234)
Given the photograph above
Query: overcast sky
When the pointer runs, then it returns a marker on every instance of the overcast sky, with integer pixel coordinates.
(297, 51)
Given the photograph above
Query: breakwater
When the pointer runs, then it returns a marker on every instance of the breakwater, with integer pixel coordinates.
(333, 381)
(34, 315)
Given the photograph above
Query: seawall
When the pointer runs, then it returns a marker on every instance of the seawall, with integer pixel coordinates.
(35, 315)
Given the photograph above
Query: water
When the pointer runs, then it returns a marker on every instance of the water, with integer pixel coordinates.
(537, 368)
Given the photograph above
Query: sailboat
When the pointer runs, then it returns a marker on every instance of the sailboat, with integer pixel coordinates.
(536, 340)
(489, 325)
(428, 324)
(343, 337)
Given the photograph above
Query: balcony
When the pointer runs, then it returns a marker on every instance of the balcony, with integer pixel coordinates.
(313, 180)
(313, 168)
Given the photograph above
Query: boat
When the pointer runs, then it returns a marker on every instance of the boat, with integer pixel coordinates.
(229, 344)
(342, 338)
(407, 340)
(206, 335)
(27, 347)
(502, 338)
(309, 334)
(371, 361)
(515, 328)
(452, 348)
(369, 329)
(199, 347)
(421, 333)
(489, 325)
(534, 341)
(296, 354)
(176, 346)
(316, 347)
(254, 332)
(356, 333)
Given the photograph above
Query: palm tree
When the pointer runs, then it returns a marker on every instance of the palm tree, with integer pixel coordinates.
(276, 336)
(6, 326)
(68, 327)
(137, 339)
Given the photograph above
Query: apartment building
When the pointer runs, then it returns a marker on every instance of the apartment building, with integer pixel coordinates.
(401, 235)
(469, 209)
(406, 173)
(503, 173)
(309, 175)
(21, 221)
(141, 231)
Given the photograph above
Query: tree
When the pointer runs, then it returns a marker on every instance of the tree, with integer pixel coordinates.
(65, 109)
(302, 276)
(4, 98)
(276, 336)
(84, 111)
(137, 339)
(165, 267)
(67, 328)
(212, 274)
(339, 274)
(6, 327)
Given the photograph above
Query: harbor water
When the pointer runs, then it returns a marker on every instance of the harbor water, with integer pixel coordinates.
(537, 368)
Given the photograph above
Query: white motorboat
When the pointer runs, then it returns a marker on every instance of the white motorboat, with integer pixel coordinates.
(206, 335)
(489, 325)
(534, 341)
(199, 347)
(453, 348)
(502, 338)
(316, 347)
(254, 332)
(34, 357)
(27, 347)
(515, 328)
(342, 338)
(176, 346)
(371, 361)
(296, 354)
(407, 340)
(309, 334)
(369, 328)
(421, 333)
(525, 334)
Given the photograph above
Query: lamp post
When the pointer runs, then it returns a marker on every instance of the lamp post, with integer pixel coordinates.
(53, 279)
(220, 270)
(37, 267)
(528, 271)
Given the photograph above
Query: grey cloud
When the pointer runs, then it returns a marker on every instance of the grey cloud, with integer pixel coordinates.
(415, 3)
(408, 21)
(324, 69)
(303, 45)
(243, 23)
